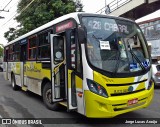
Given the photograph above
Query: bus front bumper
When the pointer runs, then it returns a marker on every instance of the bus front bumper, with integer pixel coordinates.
(101, 107)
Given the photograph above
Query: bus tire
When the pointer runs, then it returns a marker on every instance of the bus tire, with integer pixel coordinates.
(1, 70)
(13, 82)
(47, 97)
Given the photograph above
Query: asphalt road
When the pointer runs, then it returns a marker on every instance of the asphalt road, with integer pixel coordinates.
(20, 104)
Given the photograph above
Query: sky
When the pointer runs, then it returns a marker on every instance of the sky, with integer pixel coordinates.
(8, 21)
(11, 5)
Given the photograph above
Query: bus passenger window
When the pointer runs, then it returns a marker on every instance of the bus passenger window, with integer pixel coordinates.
(44, 51)
(32, 48)
(17, 52)
(11, 53)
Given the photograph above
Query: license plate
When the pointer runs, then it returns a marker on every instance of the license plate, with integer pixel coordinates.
(133, 101)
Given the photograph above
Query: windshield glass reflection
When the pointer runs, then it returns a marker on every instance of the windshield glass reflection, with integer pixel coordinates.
(115, 45)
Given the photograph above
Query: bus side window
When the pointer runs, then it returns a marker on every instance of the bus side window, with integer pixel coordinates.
(44, 51)
(11, 53)
(32, 46)
(17, 52)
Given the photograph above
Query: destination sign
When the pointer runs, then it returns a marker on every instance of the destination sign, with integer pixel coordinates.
(108, 24)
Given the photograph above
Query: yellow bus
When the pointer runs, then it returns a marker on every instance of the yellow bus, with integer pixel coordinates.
(96, 65)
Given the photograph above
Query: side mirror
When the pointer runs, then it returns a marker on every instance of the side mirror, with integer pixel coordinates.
(58, 49)
(81, 34)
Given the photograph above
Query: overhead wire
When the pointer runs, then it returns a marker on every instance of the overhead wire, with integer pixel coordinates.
(6, 5)
(12, 5)
(16, 21)
(19, 12)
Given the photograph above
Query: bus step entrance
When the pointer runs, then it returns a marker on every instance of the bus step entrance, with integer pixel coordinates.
(24, 88)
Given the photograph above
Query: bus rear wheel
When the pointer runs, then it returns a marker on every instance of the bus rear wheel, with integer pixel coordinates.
(1, 70)
(13, 82)
(47, 97)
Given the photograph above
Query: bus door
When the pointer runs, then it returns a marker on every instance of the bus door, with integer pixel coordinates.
(23, 60)
(64, 69)
(73, 79)
(58, 64)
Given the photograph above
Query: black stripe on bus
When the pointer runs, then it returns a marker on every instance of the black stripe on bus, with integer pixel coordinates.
(120, 94)
(126, 84)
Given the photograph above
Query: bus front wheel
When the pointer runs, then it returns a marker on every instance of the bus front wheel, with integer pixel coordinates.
(13, 82)
(47, 97)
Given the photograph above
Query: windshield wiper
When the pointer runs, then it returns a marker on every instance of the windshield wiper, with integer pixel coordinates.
(97, 39)
(137, 59)
(118, 61)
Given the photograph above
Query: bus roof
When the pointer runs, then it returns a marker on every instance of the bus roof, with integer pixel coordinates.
(60, 19)
(49, 24)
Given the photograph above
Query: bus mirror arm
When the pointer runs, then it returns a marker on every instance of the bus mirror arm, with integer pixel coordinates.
(81, 34)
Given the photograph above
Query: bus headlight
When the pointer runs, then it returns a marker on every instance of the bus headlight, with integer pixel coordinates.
(96, 88)
(150, 84)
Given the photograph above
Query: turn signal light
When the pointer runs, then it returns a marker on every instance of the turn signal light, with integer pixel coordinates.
(80, 94)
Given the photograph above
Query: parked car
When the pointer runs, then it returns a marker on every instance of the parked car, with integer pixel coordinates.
(156, 72)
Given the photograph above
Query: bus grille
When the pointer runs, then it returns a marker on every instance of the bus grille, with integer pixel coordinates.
(120, 94)
(126, 84)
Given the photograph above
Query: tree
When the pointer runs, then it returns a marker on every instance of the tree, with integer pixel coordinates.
(1, 50)
(39, 13)
(11, 34)
(79, 6)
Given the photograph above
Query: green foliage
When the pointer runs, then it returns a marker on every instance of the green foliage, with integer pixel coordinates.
(11, 34)
(79, 6)
(1, 50)
(39, 13)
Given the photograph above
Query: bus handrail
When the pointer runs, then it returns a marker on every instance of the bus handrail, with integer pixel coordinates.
(56, 68)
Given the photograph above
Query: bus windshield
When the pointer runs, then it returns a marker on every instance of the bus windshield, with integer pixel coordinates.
(115, 45)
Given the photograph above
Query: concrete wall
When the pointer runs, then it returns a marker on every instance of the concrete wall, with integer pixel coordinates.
(151, 1)
(127, 7)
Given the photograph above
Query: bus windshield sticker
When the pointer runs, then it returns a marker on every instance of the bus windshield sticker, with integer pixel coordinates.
(133, 66)
(104, 45)
(145, 63)
(136, 66)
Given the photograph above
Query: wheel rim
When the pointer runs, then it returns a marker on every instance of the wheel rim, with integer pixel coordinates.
(48, 96)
